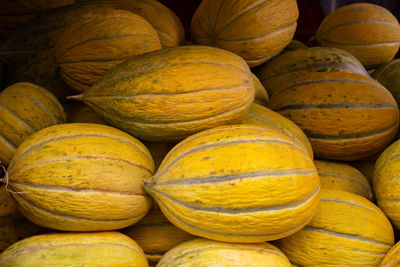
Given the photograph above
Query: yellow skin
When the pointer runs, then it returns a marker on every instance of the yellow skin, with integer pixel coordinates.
(81, 177)
(271, 183)
(169, 94)
(262, 116)
(341, 176)
(13, 226)
(392, 258)
(203, 253)
(346, 116)
(255, 30)
(24, 109)
(75, 249)
(346, 230)
(369, 32)
(292, 64)
(156, 235)
(261, 96)
(84, 53)
(386, 182)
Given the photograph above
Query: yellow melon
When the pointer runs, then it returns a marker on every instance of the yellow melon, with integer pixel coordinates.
(392, 258)
(81, 177)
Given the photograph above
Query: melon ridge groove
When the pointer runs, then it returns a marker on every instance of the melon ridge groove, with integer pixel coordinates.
(234, 177)
(228, 234)
(348, 236)
(34, 249)
(360, 45)
(27, 125)
(72, 78)
(45, 110)
(350, 203)
(229, 211)
(68, 216)
(279, 91)
(56, 138)
(87, 157)
(343, 105)
(7, 142)
(348, 137)
(345, 177)
(220, 144)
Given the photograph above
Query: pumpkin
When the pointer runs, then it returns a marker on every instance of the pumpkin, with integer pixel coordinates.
(392, 258)
(369, 32)
(386, 182)
(81, 177)
(262, 116)
(85, 52)
(202, 253)
(169, 94)
(75, 249)
(346, 116)
(346, 230)
(292, 64)
(156, 235)
(24, 109)
(13, 226)
(256, 30)
(29, 53)
(341, 176)
(17, 12)
(237, 183)
(388, 75)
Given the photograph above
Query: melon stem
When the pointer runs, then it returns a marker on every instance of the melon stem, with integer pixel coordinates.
(76, 97)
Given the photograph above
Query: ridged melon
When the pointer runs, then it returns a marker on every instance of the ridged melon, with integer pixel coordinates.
(346, 116)
(169, 94)
(237, 183)
(388, 74)
(341, 176)
(85, 52)
(74, 250)
(369, 32)
(81, 177)
(386, 182)
(292, 64)
(24, 109)
(392, 258)
(262, 116)
(156, 235)
(203, 253)
(261, 96)
(346, 230)
(14, 226)
(256, 30)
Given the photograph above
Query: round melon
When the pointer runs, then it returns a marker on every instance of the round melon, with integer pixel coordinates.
(346, 230)
(85, 52)
(256, 30)
(17, 12)
(392, 258)
(346, 116)
(202, 253)
(386, 182)
(369, 32)
(13, 226)
(74, 250)
(262, 116)
(156, 235)
(388, 74)
(292, 64)
(341, 176)
(169, 94)
(81, 177)
(237, 183)
(24, 109)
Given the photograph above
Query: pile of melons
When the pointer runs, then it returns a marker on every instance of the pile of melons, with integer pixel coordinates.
(124, 142)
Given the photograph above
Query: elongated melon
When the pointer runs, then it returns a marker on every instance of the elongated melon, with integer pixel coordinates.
(81, 177)
(203, 253)
(346, 230)
(75, 250)
(24, 109)
(237, 183)
(169, 94)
